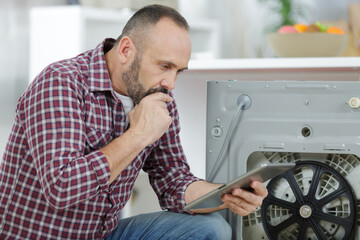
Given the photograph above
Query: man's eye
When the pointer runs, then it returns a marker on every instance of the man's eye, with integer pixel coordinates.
(165, 67)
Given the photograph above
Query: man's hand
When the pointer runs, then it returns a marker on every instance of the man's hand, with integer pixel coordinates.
(150, 119)
(241, 202)
(148, 122)
(244, 202)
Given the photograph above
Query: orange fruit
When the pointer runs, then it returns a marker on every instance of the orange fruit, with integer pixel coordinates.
(334, 30)
(300, 27)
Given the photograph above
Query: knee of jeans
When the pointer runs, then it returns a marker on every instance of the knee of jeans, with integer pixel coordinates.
(218, 227)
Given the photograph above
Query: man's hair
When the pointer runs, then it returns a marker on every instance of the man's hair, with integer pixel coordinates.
(138, 25)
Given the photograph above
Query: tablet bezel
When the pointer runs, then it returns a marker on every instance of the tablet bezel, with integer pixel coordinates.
(263, 173)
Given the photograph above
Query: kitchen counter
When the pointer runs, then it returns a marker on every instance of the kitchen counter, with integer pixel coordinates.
(274, 63)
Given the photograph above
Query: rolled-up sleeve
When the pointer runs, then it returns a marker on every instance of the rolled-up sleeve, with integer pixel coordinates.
(168, 170)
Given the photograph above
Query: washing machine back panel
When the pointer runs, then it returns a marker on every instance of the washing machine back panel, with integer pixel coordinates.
(291, 120)
(295, 116)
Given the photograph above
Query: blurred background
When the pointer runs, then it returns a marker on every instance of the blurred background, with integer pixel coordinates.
(34, 33)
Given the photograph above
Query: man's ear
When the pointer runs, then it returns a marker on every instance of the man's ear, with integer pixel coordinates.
(125, 50)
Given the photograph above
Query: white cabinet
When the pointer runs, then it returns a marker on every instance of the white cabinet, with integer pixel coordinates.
(64, 31)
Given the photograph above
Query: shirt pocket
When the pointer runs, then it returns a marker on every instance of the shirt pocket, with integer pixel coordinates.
(97, 138)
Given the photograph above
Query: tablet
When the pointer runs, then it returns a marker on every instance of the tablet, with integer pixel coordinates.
(263, 173)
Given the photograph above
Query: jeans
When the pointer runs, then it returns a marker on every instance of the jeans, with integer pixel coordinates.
(169, 225)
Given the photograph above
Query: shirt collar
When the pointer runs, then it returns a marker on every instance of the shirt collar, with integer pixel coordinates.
(99, 78)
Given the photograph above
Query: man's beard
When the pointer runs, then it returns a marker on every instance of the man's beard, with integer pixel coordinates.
(135, 89)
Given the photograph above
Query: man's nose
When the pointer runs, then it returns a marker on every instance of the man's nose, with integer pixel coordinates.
(169, 82)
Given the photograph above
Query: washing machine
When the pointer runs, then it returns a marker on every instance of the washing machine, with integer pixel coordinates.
(315, 124)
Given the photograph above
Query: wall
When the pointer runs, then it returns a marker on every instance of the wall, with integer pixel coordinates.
(13, 61)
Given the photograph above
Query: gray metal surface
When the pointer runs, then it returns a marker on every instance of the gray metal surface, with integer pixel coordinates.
(287, 121)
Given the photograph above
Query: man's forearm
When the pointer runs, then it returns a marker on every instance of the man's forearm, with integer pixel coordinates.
(198, 189)
(121, 151)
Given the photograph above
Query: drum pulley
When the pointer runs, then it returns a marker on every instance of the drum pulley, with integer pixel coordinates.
(312, 201)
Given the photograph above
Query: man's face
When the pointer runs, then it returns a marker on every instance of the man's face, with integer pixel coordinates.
(135, 89)
(166, 54)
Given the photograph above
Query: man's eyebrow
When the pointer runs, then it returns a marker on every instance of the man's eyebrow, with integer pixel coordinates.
(175, 66)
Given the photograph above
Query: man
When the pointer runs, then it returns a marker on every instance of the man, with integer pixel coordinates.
(84, 129)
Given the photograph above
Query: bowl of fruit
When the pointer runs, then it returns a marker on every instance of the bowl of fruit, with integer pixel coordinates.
(314, 40)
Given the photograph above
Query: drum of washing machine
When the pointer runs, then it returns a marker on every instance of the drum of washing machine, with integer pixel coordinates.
(312, 201)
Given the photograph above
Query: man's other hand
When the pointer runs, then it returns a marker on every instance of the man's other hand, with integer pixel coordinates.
(244, 202)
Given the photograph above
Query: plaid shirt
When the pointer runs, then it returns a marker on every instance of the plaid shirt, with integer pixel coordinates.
(54, 181)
